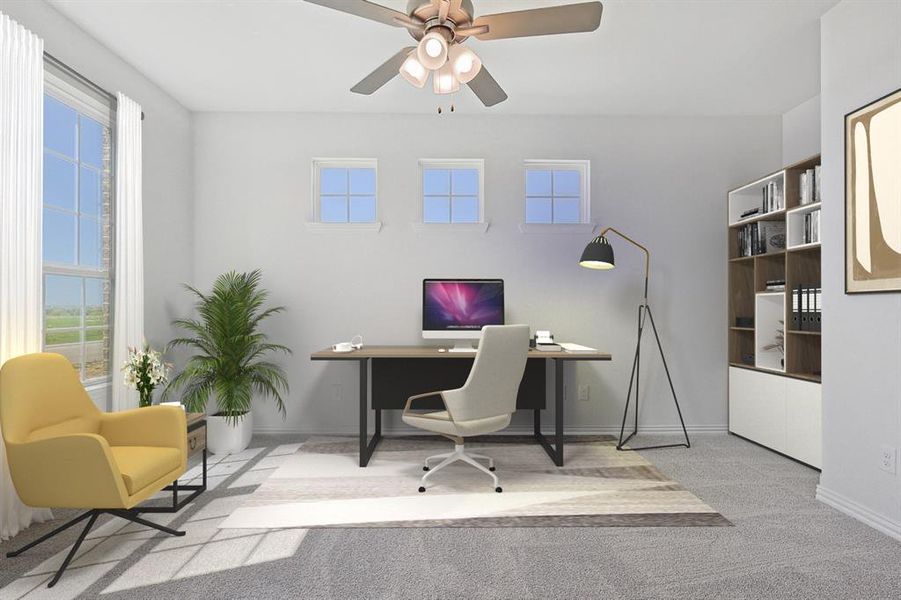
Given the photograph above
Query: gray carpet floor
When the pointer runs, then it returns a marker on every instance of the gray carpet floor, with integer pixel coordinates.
(784, 545)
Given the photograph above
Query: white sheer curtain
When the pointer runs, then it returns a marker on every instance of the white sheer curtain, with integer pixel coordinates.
(128, 304)
(21, 149)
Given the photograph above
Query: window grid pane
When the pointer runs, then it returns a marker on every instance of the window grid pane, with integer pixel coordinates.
(77, 234)
(450, 195)
(553, 196)
(347, 194)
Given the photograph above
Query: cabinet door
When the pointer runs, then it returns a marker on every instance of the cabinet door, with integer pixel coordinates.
(804, 433)
(757, 407)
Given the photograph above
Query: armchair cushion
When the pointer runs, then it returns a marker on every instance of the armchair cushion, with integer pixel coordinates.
(142, 465)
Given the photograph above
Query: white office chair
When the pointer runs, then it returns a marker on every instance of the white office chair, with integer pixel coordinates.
(484, 404)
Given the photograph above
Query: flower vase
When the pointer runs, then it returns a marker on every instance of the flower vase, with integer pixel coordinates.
(146, 398)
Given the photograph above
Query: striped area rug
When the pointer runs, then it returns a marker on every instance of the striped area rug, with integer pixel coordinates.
(322, 486)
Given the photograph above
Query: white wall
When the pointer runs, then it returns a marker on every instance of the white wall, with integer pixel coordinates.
(801, 131)
(168, 168)
(861, 61)
(661, 180)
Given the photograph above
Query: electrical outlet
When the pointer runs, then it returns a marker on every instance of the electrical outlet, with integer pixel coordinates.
(583, 393)
(887, 459)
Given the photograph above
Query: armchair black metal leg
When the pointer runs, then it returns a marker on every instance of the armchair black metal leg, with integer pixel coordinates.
(94, 514)
(130, 516)
(46, 537)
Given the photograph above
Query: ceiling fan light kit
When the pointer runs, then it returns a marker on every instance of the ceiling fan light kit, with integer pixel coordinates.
(444, 81)
(440, 28)
(432, 50)
(413, 71)
(465, 63)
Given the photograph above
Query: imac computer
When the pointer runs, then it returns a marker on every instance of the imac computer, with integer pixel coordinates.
(457, 309)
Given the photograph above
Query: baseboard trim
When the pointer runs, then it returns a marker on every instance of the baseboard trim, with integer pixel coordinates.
(859, 512)
(570, 430)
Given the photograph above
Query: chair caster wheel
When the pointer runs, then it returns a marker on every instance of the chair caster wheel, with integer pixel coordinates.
(491, 468)
(425, 468)
(422, 489)
(498, 489)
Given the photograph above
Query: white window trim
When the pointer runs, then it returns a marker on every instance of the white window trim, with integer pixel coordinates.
(72, 96)
(316, 165)
(585, 225)
(481, 226)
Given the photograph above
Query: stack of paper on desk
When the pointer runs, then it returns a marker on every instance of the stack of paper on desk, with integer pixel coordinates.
(576, 348)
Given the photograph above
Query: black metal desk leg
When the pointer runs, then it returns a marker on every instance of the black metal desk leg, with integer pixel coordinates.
(367, 447)
(558, 410)
(555, 451)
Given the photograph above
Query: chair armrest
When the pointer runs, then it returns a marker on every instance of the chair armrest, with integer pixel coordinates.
(163, 426)
(71, 471)
(426, 395)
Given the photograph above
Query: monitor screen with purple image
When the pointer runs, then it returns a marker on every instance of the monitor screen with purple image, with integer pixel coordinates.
(459, 308)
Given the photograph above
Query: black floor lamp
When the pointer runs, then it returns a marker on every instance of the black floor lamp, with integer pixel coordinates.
(598, 254)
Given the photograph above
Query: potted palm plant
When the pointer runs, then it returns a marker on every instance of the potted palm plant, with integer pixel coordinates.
(229, 361)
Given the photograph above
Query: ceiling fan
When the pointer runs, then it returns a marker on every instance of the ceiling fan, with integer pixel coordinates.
(442, 26)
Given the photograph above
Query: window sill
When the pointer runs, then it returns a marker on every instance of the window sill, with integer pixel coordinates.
(581, 228)
(420, 227)
(345, 227)
(97, 384)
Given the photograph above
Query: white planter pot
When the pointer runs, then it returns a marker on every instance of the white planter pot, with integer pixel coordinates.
(228, 438)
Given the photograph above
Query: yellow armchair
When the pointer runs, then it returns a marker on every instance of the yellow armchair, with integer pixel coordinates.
(64, 452)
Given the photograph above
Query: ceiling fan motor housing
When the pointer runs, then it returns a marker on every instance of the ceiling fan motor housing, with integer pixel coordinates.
(427, 12)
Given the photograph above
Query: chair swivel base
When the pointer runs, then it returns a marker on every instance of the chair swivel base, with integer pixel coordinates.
(91, 515)
(459, 454)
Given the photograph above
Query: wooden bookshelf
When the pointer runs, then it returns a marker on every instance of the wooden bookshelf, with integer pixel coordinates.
(774, 398)
(798, 265)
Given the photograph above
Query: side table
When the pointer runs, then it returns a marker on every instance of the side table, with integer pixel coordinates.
(196, 443)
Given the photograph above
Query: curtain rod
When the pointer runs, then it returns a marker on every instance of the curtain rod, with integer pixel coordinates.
(75, 74)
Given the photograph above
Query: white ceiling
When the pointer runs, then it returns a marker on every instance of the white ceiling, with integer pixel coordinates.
(657, 57)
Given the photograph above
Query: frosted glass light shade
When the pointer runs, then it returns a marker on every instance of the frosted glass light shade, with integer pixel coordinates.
(413, 71)
(464, 62)
(432, 51)
(444, 81)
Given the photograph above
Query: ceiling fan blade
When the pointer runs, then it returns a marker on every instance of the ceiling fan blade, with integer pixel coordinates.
(487, 89)
(383, 74)
(367, 10)
(571, 18)
(468, 31)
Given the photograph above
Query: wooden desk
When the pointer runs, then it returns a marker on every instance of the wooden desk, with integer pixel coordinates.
(399, 372)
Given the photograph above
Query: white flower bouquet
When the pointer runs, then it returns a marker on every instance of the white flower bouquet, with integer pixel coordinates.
(144, 370)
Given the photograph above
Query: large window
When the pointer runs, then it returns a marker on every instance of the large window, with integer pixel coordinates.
(345, 190)
(452, 191)
(557, 192)
(77, 229)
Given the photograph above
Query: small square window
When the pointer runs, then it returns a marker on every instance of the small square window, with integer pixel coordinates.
(451, 191)
(345, 191)
(557, 192)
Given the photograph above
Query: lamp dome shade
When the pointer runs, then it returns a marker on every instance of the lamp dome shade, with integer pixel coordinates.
(598, 254)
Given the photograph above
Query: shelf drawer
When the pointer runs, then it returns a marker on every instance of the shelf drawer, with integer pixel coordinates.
(803, 403)
(196, 440)
(757, 408)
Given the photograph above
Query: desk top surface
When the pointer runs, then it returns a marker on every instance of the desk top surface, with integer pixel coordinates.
(432, 352)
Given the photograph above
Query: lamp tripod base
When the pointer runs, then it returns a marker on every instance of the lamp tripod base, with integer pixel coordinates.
(645, 314)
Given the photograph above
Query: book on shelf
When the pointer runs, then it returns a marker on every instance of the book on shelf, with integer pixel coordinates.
(806, 310)
(811, 227)
(775, 285)
(762, 237)
(772, 197)
(809, 185)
